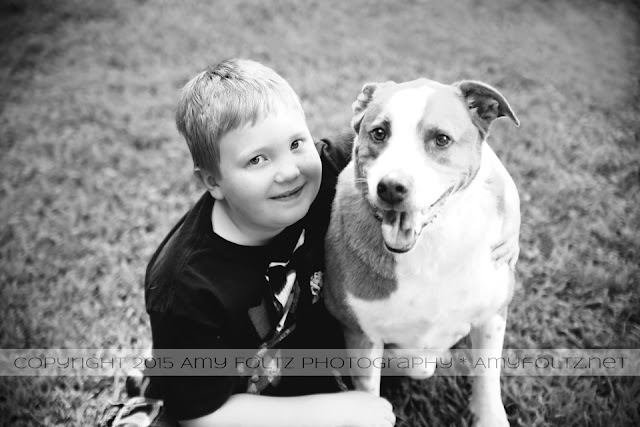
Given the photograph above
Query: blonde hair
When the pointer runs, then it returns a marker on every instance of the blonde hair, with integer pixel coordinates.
(225, 97)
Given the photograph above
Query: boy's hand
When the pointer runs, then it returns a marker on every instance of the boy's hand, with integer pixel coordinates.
(507, 249)
(361, 409)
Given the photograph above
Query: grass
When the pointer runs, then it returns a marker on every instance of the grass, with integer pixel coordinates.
(93, 173)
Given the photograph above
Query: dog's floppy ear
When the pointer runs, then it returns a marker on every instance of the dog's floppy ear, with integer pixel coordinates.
(485, 103)
(360, 105)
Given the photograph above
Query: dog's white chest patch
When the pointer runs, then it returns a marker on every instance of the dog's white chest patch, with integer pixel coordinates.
(447, 284)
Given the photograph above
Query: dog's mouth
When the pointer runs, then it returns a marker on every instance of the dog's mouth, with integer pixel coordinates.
(401, 229)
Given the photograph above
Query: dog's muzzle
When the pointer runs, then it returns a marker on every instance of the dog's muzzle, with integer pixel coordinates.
(400, 227)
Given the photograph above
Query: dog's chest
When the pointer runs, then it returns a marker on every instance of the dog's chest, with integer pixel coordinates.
(447, 284)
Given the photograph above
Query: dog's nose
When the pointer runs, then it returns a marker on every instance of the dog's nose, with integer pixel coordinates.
(393, 189)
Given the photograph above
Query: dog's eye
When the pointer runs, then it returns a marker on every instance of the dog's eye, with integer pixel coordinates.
(442, 140)
(378, 134)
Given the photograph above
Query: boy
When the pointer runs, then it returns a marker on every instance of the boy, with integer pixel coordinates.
(242, 268)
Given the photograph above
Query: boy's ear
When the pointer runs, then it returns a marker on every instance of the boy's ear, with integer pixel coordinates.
(210, 182)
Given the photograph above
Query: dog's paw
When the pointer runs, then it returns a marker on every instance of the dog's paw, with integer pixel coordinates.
(419, 372)
(491, 421)
(489, 415)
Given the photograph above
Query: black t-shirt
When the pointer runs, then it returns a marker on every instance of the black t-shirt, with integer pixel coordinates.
(200, 290)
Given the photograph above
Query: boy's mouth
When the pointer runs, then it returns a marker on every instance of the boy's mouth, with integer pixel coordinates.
(289, 194)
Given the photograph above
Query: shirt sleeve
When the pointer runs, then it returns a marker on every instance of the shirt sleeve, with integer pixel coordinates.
(190, 397)
(335, 153)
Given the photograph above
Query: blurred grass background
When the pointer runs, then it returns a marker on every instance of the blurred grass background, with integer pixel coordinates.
(93, 173)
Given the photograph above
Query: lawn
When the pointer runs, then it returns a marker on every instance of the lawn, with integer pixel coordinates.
(93, 173)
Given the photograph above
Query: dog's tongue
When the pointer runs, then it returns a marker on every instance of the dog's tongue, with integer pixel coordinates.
(400, 230)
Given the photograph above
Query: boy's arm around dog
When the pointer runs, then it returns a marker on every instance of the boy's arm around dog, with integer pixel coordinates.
(508, 248)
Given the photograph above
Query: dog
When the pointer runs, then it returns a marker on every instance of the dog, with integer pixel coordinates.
(408, 249)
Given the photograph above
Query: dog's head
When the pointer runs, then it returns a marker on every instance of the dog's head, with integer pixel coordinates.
(418, 143)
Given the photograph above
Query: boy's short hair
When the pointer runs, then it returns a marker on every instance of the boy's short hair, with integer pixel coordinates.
(225, 97)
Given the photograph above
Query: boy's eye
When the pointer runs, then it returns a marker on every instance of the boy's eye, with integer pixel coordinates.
(295, 144)
(256, 160)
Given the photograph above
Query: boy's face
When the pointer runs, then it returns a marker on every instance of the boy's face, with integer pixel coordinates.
(269, 173)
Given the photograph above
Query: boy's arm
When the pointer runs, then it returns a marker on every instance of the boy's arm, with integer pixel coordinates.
(190, 396)
(353, 409)
(210, 400)
(508, 248)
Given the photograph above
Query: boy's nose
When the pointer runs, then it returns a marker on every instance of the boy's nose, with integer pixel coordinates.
(287, 172)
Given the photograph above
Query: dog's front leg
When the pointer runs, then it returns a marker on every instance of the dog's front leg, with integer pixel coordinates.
(487, 340)
(362, 351)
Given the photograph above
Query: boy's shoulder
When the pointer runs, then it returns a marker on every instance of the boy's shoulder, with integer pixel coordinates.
(169, 259)
(335, 152)
(194, 272)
